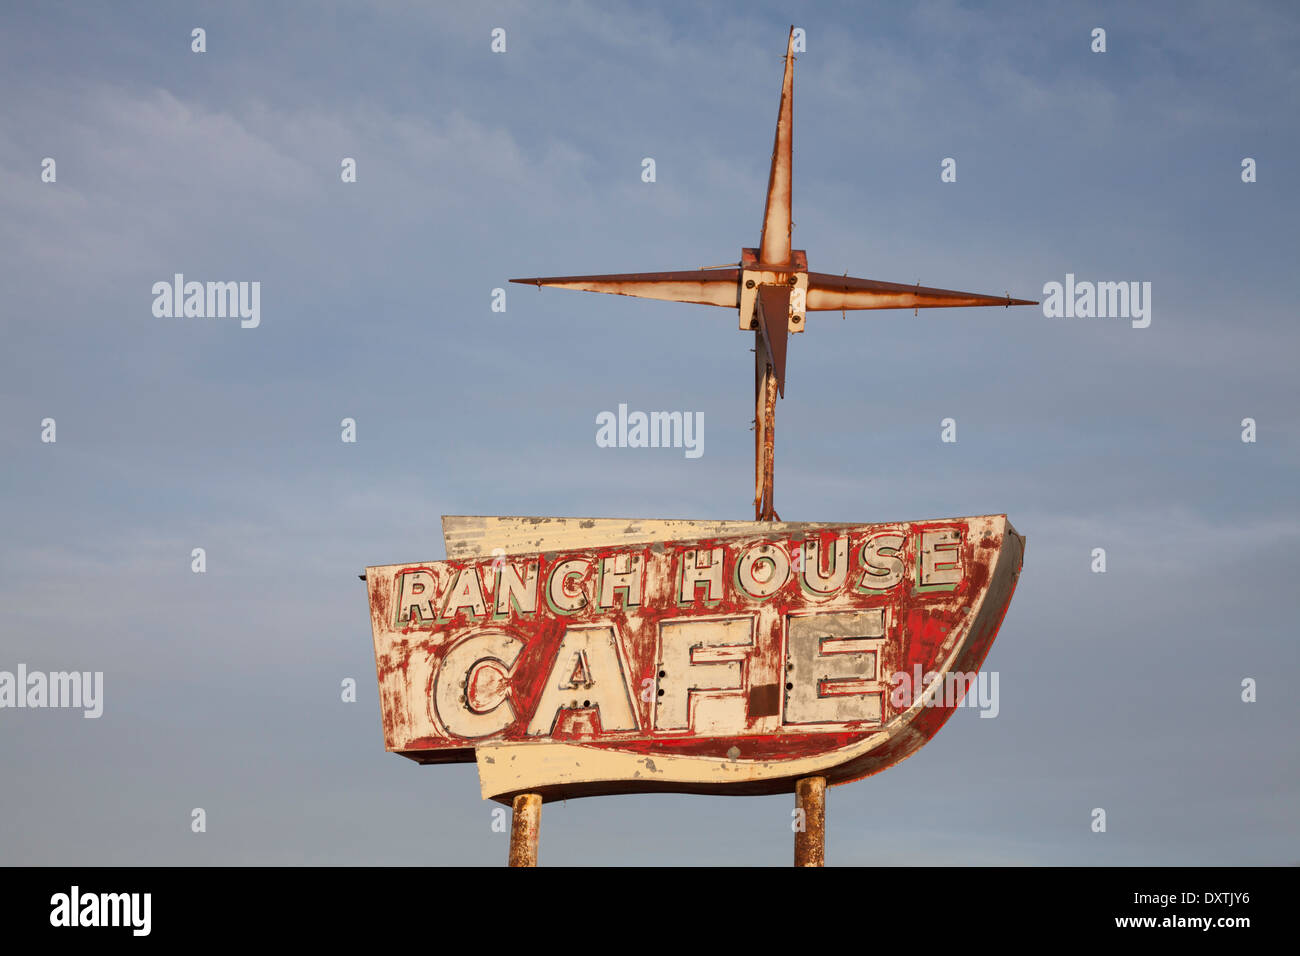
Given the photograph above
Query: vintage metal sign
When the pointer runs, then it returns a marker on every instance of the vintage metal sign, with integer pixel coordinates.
(724, 657)
(598, 656)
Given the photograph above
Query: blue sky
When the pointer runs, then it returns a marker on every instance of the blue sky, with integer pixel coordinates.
(1118, 690)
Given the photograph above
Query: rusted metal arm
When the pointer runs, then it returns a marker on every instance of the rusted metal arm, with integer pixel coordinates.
(775, 245)
(832, 293)
(699, 286)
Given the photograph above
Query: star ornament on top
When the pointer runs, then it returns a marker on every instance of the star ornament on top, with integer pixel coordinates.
(771, 286)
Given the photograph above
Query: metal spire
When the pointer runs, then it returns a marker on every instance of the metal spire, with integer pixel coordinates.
(772, 288)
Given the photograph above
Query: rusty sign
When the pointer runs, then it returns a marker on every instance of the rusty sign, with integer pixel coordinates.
(738, 659)
(575, 657)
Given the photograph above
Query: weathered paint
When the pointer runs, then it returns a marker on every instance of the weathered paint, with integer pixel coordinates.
(774, 322)
(699, 287)
(775, 243)
(693, 665)
(754, 275)
(525, 829)
(832, 293)
(765, 394)
(471, 536)
(810, 829)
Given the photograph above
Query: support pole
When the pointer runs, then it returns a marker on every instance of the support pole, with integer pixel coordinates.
(809, 792)
(810, 842)
(764, 430)
(525, 827)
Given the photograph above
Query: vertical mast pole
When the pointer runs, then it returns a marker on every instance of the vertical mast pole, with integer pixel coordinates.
(525, 827)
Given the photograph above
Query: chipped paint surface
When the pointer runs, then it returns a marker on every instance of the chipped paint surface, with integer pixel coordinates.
(810, 838)
(525, 828)
(469, 536)
(716, 663)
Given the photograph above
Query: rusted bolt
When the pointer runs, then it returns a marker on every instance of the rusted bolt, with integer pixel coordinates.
(749, 283)
(753, 324)
(794, 280)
